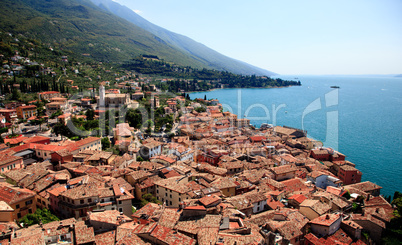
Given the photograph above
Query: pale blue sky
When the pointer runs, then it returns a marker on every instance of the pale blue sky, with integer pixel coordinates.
(290, 37)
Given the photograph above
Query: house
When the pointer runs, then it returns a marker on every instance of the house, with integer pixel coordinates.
(9, 114)
(226, 185)
(106, 220)
(137, 95)
(349, 175)
(9, 162)
(151, 149)
(6, 212)
(21, 200)
(258, 200)
(172, 191)
(25, 112)
(367, 187)
(123, 135)
(320, 154)
(326, 224)
(48, 95)
(63, 119)
(323, 180)
(90, 143)
(371, 225)
(284, 172)
(288, 132)
(336, 203)
(53, 107)
(90, 195)
(296, 200)
(313, 208)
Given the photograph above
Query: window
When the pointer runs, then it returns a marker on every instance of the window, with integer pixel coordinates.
(28, 202)
(19, 215)
(17, 206)
(119, 202)
(170, 195)
(82, 201)
(170, 202)
(89, 200)
(30, 210)
(120, 210)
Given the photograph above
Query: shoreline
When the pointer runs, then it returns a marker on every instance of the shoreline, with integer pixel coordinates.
(210, 90)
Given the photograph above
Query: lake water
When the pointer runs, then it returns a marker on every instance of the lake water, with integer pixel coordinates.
(362, 119)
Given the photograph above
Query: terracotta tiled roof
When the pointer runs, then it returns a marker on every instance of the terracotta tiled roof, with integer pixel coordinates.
(84, 234)
(319, 207)
(298, 198)
(326, 220)
(106, 238)
(169, 236)
(365, 186)
(14, 195)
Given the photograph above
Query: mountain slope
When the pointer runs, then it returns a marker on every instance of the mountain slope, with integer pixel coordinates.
(81, 27)
(201, 52)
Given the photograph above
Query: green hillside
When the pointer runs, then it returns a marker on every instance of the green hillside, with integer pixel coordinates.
(208, 57)
(85, 29)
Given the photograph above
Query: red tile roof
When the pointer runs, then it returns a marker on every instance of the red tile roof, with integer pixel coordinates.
(14, 195)
(326, 220)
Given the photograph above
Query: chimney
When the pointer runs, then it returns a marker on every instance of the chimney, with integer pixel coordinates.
(327, 216)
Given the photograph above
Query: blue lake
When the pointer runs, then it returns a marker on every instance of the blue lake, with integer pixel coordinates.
(362, 119)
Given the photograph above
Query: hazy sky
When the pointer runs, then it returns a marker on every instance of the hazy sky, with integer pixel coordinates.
(290, 37)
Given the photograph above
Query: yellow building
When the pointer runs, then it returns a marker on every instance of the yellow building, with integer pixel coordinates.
(22, 201)
(27, 111)
(6, 212)
(172, 191)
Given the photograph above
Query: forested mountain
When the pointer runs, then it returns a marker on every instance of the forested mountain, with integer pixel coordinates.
(81, 28)
(210, 58)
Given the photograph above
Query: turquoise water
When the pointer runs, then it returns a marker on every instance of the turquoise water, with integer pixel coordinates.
(362, 119)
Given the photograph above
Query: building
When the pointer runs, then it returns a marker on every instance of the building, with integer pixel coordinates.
(53, 107)
(323, 180)
(21, 200)
(151, 149)
(9, 114)
(112, 100)
(367, 187)
(27, 111)
(284, 172)
(123, 135)
(172, 191)
(9, 162)
(48, 95)
(349, 175)
(6, 212)
(313, 208)
(326, 224)
(63, 119)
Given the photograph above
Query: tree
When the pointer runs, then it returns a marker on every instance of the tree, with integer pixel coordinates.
(146, 198)
(105, 143)
(56, 114)
(40, 215)
(205, 97)
(16, 95)
(200, 109)
(90, 115)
